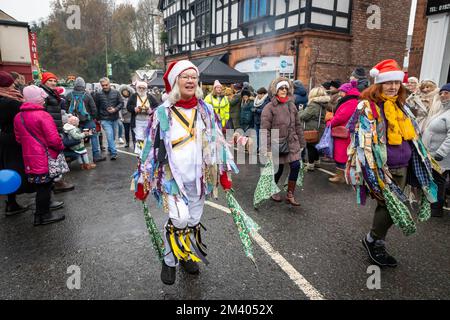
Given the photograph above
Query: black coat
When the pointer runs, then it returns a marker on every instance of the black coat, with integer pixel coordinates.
(103, 100)
(10, 151)
(132, 103)
(53, 106)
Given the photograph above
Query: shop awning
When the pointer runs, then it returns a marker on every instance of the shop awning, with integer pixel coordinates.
(158, 81)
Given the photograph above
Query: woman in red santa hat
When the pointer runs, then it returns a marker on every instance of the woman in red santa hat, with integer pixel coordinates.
(385, 154)
(184, 158)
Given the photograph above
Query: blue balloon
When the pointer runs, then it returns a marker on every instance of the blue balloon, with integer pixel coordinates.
(10, 181)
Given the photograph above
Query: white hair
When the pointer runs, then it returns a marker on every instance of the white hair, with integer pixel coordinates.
(175, 94)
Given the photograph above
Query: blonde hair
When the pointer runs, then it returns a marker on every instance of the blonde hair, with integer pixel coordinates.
(317, 92)
(175, 94)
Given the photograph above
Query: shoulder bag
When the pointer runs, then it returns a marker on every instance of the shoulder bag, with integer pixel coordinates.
(56, 167)
(312, 136)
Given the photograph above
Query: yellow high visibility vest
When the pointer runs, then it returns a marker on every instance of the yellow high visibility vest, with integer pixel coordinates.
(222, 108)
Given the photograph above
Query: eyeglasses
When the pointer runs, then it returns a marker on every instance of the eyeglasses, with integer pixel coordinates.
(283, 88)
(186, 77)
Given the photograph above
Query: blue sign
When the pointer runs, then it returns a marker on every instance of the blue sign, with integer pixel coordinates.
(283, 64)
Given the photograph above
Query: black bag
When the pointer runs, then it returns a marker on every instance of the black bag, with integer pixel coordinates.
(283, 147)
(68, 141)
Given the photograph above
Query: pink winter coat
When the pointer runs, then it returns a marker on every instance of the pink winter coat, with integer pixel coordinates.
(41, 124)
(343, 114)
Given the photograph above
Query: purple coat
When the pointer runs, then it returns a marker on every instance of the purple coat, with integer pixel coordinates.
(41, 124)
(341, 118)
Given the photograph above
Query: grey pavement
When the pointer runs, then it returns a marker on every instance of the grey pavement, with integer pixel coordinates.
(104, 234)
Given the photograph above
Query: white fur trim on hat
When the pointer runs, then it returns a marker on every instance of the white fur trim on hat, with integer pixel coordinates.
(179, 68)
(374, 72)
(281, 84)
(389, 76)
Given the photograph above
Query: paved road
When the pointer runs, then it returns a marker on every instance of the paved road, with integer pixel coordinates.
(317, 244)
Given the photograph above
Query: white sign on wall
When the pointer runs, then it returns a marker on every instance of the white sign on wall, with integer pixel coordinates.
(282, 64)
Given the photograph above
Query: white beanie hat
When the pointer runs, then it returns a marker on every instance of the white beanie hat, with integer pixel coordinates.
(217, 84)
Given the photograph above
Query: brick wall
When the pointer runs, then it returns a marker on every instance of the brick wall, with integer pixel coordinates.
(418, 40)
(335, 59)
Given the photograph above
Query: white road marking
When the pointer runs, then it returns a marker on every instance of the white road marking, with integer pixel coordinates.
(295, 276)
(126, 152)
(326, 171)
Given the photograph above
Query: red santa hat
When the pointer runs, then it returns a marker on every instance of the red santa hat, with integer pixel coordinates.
(174, 70)
(387, 70)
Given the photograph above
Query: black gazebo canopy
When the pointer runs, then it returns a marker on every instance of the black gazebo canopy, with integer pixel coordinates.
(212, 69)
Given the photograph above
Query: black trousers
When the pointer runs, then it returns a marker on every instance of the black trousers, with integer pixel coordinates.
(43, 197)
(440, 181)
(313, 154)
(293, 175)
(127, 127)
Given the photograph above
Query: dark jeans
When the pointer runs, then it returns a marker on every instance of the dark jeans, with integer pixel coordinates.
(382, 220)
(293, 175)
(43, 196)
(440, 180)
(313, 154)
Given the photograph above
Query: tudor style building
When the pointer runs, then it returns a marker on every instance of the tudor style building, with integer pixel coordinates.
(310, 40)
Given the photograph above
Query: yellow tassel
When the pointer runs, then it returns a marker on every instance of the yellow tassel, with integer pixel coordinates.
(180, 255)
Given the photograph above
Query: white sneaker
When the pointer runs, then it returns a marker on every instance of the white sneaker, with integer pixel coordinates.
(121, 141)
(310, 166)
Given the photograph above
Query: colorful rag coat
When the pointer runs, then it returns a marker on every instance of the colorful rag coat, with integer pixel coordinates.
(156, 172)
(368, 172)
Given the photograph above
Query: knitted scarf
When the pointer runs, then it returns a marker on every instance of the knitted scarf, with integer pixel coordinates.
(258, 102)
(400, 126)
(283, 100)
(11, 94)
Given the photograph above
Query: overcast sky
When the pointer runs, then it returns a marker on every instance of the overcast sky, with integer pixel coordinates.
(26, 10)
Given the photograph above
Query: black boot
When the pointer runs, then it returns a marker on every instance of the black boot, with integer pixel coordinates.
(190, 266)
(168, 274)
(47, 218)
(12, 208)
(377, 253)
(437, 211)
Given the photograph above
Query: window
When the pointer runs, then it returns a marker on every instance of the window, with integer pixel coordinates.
(202, 18)
(254, 9)
(172, 30)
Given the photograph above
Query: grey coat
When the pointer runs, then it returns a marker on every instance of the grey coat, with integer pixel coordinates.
(436, 137)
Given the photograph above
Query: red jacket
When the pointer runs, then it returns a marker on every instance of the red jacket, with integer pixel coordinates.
(41, 124)
(341, 118)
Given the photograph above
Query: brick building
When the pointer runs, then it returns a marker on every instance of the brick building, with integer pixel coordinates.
(430, 49)
(310, 40)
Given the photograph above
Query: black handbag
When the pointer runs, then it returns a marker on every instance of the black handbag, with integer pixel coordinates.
(68, 141)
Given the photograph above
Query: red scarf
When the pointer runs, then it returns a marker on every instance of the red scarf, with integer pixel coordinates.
(187, 104)
(283, 100)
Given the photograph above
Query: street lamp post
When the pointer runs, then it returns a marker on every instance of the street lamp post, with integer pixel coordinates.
(153, 31)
